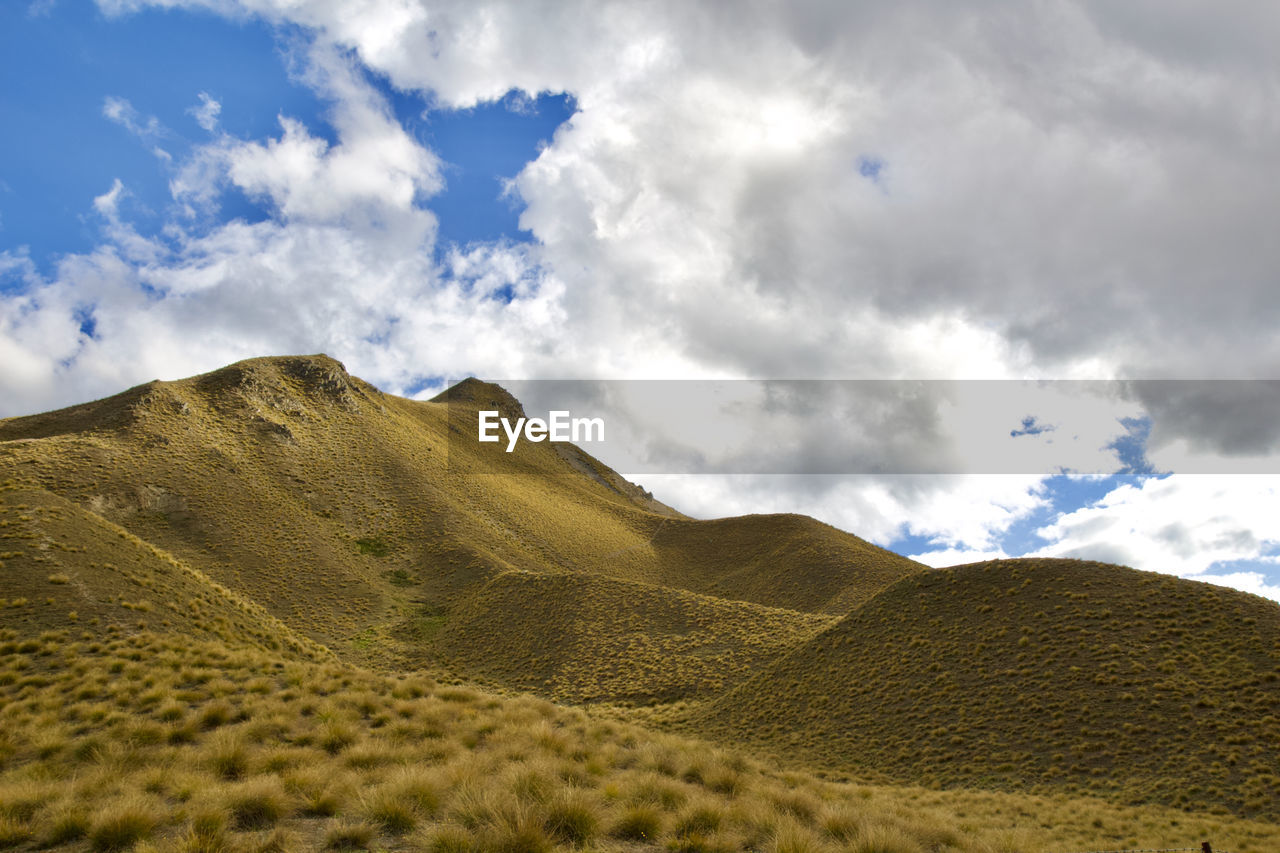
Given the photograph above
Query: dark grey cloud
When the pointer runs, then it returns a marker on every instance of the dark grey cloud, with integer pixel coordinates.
(1231, 418)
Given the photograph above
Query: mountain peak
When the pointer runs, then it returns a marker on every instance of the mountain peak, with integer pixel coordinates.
(481, 394)
(276, 380)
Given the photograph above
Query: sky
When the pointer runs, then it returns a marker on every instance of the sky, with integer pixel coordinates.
(590, 190)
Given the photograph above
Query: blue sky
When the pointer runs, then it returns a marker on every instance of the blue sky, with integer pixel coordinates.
(72, 56)
(779, 202)
(59, 68)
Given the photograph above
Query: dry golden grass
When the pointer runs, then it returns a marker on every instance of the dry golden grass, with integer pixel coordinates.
(578, 638)
(428, 766)
(789, 561)
(1037, 675)
(71, 566)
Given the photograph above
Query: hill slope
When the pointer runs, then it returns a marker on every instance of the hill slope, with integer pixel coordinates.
(283, 504)
(790, 561)
(1037, 674)
(579, 638)
(352, 515)
(62, 566)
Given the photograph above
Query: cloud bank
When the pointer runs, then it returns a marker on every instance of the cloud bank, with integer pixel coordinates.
(1068, 189)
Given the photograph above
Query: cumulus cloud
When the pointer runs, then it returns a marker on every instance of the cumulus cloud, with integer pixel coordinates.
(1063, 180)
(1211, 426)
(1254, 582)
(343, 265)
(1183, 524)
(1067, 189)
(1058, 189)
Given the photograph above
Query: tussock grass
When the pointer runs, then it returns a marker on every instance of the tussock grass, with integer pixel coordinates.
(890, 839)
(120, 825)
(349, 835)
(449, 838)
(638, 823)
(65, 824)
(257, 803)
(523, 785)
(1036, 674)
(631, 642)
(572, 817)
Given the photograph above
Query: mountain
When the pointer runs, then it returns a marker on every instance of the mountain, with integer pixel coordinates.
(357, 518)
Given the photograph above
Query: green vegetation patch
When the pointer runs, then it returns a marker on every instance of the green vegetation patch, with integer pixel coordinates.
(399, 577)
(373, 546)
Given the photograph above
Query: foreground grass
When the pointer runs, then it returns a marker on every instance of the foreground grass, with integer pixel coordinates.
(152, 742)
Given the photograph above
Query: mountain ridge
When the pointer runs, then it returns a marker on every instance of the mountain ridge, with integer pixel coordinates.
(227, 469)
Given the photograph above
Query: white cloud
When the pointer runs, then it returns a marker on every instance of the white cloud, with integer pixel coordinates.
(957, 556)
(1063, 191)
(964, 515)
(1077, 186)
(1254, 582)
(147, 128)
(344, 265)
(1183, 524)
(206, 114)
(108, 204)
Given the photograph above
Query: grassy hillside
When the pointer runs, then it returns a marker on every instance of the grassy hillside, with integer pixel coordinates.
(790, 561)
(62, 566)
(348, 513)
(160, 743)
(220, 596)
(306, 490)
(1038, 674)
(578, 638)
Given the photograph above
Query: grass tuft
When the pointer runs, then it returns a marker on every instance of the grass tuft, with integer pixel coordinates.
(638, 823)
(257, 804)
(396, 816)
(572, 818)
(13, 832)
(228, 756)
(885, 839)
(121, 825)
(67, 823)
(349, 835)
(450, 838)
